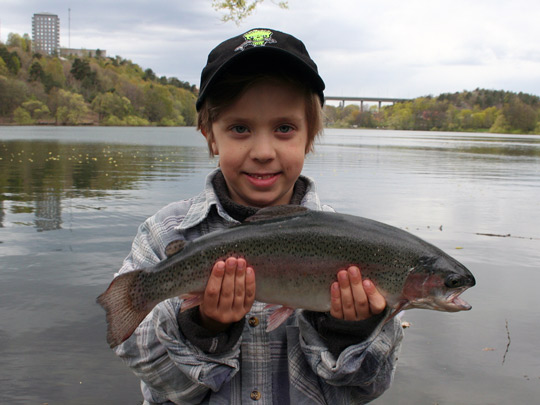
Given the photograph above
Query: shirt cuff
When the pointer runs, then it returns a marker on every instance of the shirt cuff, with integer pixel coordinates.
(339, 334)
(209, 342)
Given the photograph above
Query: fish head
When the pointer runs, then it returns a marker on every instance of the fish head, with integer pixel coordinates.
(436, 283)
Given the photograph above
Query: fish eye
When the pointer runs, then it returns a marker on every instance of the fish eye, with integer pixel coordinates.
(454, 281)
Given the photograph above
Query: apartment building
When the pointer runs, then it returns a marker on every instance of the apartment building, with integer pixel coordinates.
(46, 33)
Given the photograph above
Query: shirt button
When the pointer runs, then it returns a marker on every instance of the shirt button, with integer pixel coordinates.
(253, 321)
(255, 395)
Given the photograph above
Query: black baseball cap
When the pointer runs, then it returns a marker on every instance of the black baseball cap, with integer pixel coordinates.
(255, 48)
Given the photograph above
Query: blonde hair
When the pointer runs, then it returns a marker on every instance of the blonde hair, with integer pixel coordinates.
(227, 91)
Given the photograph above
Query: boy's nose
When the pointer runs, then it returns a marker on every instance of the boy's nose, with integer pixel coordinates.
(262, 150)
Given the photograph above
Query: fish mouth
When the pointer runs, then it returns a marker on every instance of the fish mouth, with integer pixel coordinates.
(453, 302)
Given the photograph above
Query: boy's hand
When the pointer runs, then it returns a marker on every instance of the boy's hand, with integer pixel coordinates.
(229, 294)
(353, 299)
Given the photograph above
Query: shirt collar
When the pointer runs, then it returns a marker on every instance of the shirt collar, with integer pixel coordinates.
(202, 203)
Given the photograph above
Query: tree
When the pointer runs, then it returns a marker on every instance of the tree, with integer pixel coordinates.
(158, 103)
(80, 69)
(30, 112)
(400, 116)
(365, 119)
(22, 117)
(37, 110)
(106, 104)
(70, 108)
(519, 115)
(11, 59)
(12, 93)
(149, 75)
(3, 68)
(14, 40)
(36, 72)
(237, 10)
(54, 71)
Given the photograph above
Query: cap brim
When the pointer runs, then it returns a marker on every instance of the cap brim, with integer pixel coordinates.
(252, 59)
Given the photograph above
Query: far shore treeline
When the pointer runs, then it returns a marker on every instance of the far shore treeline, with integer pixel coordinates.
(48, 90)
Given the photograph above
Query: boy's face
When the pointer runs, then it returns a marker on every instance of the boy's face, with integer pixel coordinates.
(261, 140)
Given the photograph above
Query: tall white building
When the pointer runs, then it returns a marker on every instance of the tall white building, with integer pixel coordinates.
(46, 33)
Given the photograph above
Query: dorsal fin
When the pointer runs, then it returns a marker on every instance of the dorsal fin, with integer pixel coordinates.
(174, 247)
(279, 211)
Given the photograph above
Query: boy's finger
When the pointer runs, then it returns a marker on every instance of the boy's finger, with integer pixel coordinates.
(336, 309)
(249, 297)
(361, 303)
(226, 297)
(347, 300)
(213, 286)
(377, 303)
(239, 285)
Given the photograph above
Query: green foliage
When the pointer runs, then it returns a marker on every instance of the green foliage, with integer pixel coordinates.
(238, 10)
(70, 108)
(478, 110)
(11, 59)
(519, 115)
(16, 41)
(114, 91)
(130, 120)
(36, 110)
(112, 104)
(36, 72)
(13, 93)
(22, 117)
(3, 68)
(80, 69)
(100, 90)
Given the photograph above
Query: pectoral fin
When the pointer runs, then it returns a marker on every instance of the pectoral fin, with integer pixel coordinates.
(278, 317)
(190, 301)
(402, 305)
(174, 247)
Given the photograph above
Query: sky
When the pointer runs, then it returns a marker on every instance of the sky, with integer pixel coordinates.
(363, 48)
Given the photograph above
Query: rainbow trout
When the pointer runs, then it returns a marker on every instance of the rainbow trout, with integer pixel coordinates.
(296, 254)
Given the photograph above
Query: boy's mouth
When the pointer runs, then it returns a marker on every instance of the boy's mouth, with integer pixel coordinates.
(262, 179)
(261, 176)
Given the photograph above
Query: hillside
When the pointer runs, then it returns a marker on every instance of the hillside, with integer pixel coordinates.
(472, 111)
(37, 89)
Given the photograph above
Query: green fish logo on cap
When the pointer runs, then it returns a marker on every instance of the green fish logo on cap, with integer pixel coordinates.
(256, 38)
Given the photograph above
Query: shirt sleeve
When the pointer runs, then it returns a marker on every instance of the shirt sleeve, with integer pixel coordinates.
(209, 342)
(338, 334)
(170, 367)
(363, 370)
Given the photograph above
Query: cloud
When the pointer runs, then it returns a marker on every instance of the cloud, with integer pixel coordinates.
(381, 48)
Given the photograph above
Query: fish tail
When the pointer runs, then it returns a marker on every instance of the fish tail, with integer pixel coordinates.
(123, 316)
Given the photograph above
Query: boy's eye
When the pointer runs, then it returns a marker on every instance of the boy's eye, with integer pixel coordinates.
(240, 129)
(284, 129)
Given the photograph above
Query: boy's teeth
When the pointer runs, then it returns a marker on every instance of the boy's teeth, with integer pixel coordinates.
(261, 177)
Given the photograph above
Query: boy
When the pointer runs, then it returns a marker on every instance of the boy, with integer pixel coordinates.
(260, 109)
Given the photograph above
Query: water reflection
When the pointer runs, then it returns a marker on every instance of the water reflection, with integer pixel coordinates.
(36, 176)
(88, 189)
(479, 144)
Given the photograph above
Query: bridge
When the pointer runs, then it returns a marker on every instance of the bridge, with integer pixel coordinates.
(379, 100)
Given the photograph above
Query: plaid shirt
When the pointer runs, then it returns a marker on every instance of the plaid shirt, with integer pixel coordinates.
(290, 365)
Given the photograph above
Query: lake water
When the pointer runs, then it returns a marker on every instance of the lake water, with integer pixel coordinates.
(71, 200)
